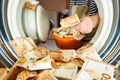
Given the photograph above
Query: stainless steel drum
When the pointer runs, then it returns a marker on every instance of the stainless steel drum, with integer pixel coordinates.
(106, 40)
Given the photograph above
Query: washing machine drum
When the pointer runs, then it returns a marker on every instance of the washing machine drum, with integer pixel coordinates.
(106, 40)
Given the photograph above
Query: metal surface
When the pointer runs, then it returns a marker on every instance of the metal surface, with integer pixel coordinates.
(113, 41)
(5, 36)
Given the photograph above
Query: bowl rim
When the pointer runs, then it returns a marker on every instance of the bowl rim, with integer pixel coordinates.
(54, 35)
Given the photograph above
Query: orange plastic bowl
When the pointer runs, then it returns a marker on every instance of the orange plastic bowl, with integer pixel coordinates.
(66, 43)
